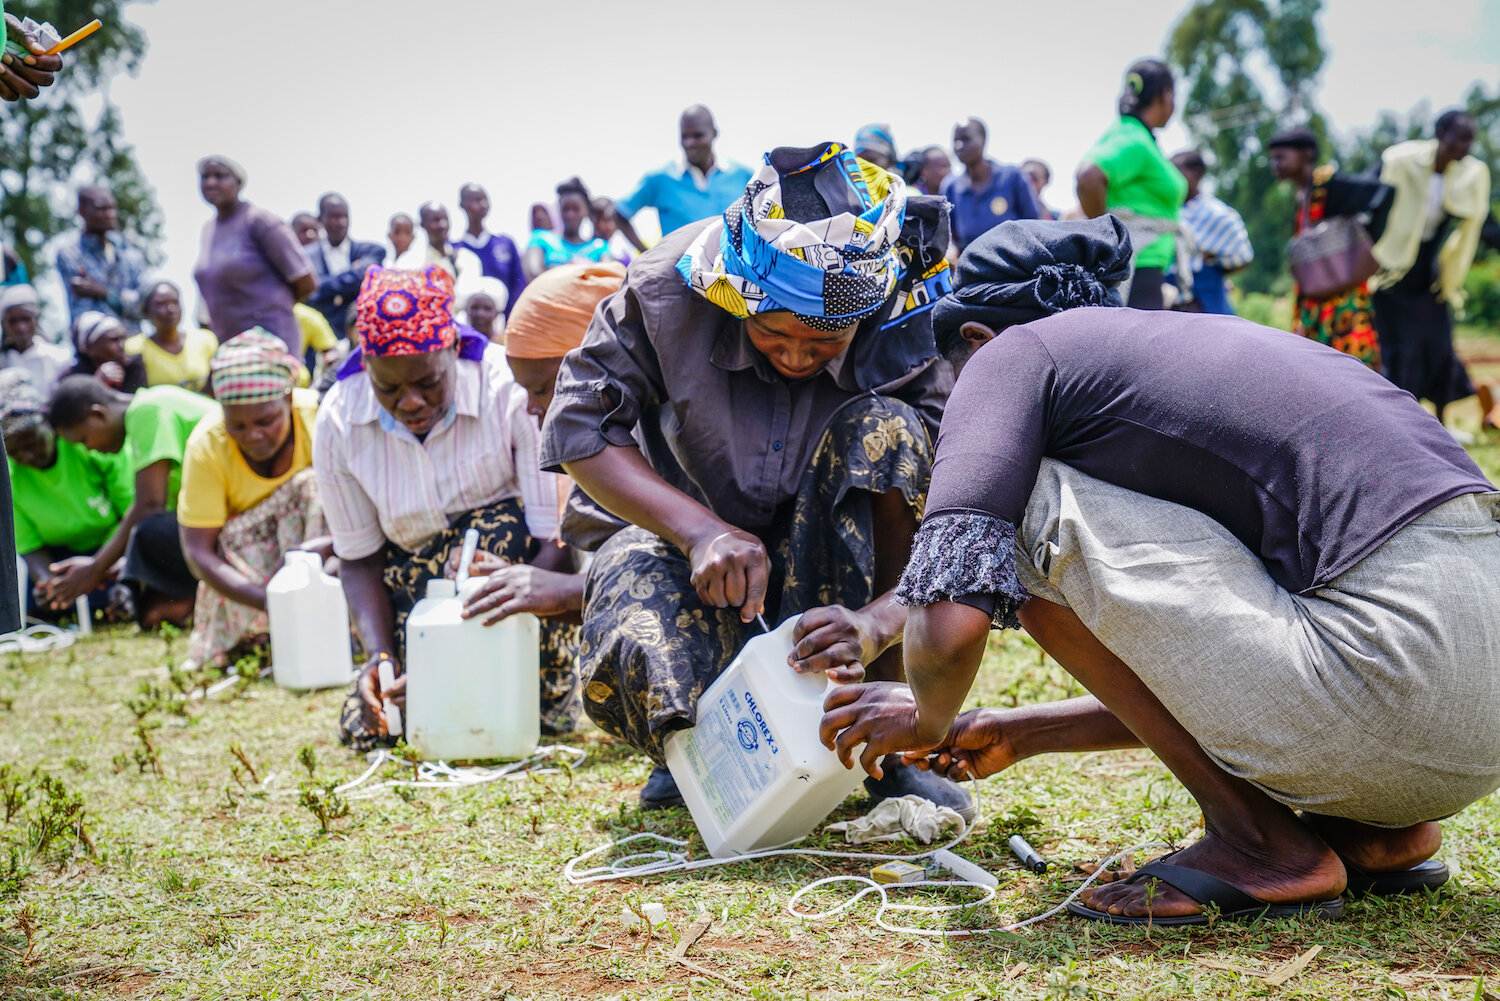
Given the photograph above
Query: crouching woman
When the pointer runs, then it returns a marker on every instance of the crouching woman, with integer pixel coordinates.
(424, 436)
(1288, 600)
(248, 492)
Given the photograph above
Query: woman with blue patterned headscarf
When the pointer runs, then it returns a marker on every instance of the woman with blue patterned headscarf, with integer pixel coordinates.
(757, 404)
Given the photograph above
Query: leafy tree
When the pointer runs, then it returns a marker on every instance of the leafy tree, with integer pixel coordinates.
(49, 146)
(1248, 68)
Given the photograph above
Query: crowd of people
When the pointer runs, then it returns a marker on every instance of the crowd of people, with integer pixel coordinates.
(899, 403)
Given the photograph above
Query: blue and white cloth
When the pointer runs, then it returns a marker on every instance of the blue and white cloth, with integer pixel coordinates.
(1217, 233)
(828, 272)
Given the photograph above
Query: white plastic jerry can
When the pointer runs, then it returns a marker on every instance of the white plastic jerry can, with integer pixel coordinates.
(309, 625)
(472, 691)
(752, 771)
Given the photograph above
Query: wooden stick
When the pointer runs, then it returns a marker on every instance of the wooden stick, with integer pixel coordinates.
(1291, 969)
(689, 938)
(705, 971)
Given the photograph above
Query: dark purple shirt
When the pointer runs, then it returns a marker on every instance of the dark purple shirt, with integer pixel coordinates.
(1309, 458)
(498, 258)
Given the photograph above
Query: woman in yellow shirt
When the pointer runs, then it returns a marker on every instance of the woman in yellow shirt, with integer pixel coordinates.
(248, 492)
(173, 357)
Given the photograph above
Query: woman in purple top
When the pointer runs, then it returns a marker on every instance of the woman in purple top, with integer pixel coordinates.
(251, 269)
(1267, 564)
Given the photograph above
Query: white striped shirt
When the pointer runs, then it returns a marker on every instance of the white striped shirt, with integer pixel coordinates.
(379, 483)
(1217, 232)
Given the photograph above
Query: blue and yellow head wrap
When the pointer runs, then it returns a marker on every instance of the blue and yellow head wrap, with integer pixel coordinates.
(829, 272)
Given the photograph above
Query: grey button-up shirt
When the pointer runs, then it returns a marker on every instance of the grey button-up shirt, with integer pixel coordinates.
(665, 370)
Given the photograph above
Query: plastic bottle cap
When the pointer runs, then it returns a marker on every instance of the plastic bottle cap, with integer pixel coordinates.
(441, 587)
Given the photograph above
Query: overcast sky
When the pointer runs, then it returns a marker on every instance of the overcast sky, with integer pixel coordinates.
(391, 109)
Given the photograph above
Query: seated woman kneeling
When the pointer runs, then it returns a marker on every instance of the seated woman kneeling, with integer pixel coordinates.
(756, 403)
(248, 492)
(424, 436)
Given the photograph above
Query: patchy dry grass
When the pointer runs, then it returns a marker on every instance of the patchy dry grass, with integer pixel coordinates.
(209, 880)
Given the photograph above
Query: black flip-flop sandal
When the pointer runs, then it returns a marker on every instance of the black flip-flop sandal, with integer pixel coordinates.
(1428, 875)
(1233, 903)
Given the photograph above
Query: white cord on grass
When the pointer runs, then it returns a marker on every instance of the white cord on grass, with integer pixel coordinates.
(441, 775)
(989, 894)
(665, 860)
(39, 638)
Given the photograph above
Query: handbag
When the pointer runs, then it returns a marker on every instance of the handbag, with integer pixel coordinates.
(1331, 258)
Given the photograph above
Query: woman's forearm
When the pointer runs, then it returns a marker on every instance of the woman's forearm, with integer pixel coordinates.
(620, 479)
(1074, 725)
(200, 549)
(370, 603)
(944, 643)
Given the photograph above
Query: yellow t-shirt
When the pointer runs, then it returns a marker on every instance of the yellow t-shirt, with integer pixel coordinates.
(218, 484)
(316, 332)
(188, 369)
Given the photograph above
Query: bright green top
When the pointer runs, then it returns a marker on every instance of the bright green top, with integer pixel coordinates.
(1143, 180)
(76, 504)
(157, 424)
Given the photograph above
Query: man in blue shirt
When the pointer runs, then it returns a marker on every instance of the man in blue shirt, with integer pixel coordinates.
(99, 269)
(988, 192)
(497, 253)
(697, 187)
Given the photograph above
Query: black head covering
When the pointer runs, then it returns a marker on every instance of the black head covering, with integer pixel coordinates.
(1145, 79)
(1024, 270)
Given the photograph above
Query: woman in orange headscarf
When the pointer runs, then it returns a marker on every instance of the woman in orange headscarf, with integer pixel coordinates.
(549, 320)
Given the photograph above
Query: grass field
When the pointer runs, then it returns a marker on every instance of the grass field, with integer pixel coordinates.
(199, 878)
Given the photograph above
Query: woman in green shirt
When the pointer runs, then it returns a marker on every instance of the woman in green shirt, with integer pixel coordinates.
(1127, 174)
(66, 499)
(151, 429)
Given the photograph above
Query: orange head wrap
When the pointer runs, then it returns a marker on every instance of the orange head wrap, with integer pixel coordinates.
(553, 312)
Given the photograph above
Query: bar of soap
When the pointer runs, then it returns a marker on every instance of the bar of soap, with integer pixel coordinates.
(898, 872)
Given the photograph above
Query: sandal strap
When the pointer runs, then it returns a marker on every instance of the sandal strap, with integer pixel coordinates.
(1202, 887)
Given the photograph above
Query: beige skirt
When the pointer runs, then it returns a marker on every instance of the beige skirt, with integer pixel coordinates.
(1375, 697)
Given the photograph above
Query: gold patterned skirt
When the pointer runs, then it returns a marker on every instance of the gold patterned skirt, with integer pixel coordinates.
(651, 646)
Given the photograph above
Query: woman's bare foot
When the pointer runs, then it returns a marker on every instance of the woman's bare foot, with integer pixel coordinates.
(1378, 849)
(1292, 870)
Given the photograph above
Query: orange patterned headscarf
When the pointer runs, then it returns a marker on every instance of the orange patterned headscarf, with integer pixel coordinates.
(405, 312)
(553, 312)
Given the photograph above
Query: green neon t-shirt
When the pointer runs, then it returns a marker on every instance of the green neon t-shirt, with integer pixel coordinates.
(74, 505)
(157, 425)
(1141, 179)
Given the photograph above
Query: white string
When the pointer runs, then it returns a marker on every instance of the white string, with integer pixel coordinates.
(39, 638)
(441, 775)
(665, 860)
(989, 894)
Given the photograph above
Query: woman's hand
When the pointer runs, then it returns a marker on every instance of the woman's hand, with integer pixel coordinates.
(76, 576)
(371, 698)
(483, 564)
(731, 570)
(977, 746)
(522, 588)
(882, 715)
(833, 637)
